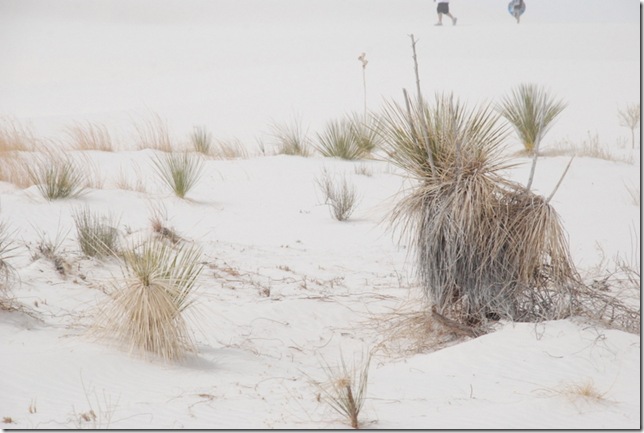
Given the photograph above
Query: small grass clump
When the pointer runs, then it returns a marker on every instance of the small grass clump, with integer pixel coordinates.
(345, 389)
(179, 171)
(97, 236)
(57, 177)
(15, 137)
(531, 111)
(291, 139)
(147, 311)
(341, 197)
(201, 140)
(90, 136)
(154, 134)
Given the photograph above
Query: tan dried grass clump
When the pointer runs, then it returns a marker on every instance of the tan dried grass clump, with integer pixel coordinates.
(154, 134)
(345, 388)
(487, 248)
(146, 312)
(15, 137)
(90, 136)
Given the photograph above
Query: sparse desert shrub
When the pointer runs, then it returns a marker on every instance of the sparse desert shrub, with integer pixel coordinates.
(531, 111)
(57, 177)
(97, 236)
(154, 134)
(147, 311)
(291, 139)
(339, 141)
(630, 118)
(90, 136)
(486, 247)
(201, 140)
(345, 389)
(341, 197)
(180, 171)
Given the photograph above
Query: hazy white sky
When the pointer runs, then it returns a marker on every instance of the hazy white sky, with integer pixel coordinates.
(173, 11)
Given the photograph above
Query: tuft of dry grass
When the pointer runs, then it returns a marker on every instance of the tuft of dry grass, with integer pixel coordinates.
(90, 136)
(584, 389)
(341, 197)
(15, 137)
(229, 149)
(154, 134)
(14, 169)
(147, 311)
(291, 139)
(345, 388)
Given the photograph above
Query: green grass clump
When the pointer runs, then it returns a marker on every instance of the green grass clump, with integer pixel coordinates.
(97, 236)
(57, 177)
(179, 171)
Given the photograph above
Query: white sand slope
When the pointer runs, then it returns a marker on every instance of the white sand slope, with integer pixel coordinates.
(285, 286)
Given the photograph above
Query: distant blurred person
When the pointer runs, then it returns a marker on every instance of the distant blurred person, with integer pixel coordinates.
(517, 8)
(443, 9)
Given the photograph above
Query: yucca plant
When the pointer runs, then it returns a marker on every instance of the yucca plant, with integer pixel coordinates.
(483, 243)
(179, 171)
(97, 235)
(531, 111)
(57, 177)
(147, 311)
(339, 141)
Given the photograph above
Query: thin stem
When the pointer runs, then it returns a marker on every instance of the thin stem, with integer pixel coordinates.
(560, 180)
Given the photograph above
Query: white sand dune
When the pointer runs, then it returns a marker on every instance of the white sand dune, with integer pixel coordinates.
(286, 287)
